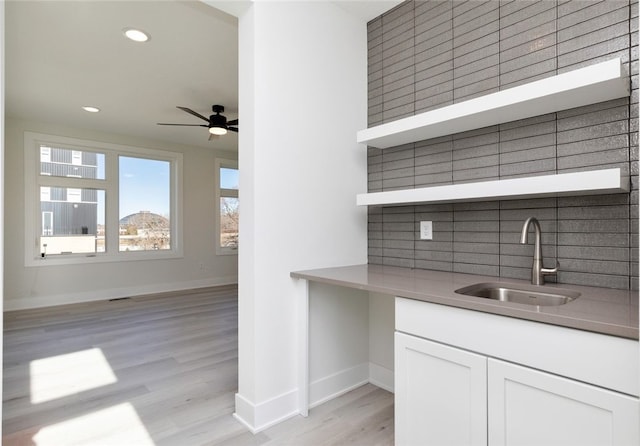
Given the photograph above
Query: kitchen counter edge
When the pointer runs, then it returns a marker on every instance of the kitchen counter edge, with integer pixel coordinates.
(601, 310)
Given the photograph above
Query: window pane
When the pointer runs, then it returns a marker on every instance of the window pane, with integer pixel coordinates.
(71, 226)
(228, 178)
(229, 222)
(74, 195)
(45, 154)
(59, 162)
(76, 157)
(145, 190)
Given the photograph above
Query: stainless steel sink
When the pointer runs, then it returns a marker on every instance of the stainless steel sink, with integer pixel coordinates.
(522, 294)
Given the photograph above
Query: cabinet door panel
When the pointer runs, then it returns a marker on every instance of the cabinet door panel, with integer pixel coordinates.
(440, 394)
(529, 407)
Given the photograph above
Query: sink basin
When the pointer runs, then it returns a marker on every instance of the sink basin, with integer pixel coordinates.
(521, 294)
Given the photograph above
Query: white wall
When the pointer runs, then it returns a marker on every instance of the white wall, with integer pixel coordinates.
(303, 96)
(338, 340)
(26, 287)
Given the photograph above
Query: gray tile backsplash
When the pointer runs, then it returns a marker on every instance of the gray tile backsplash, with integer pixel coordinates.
(428, 54)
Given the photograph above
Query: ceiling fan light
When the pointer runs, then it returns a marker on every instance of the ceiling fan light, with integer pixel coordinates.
(136, 35)
(90, 109)
(217, 131)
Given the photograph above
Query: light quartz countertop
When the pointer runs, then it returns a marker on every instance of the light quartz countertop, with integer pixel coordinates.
(600, 310)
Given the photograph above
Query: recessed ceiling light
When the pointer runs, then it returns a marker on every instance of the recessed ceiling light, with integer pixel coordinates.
(90, 109)
(136, 35)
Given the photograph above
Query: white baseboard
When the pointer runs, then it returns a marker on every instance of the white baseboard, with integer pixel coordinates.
(258, 417)
(261, 416)
(339, 383)
(381, 377)
(112, 293)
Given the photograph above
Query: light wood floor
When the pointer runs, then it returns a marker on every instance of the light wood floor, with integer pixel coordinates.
(153, 370)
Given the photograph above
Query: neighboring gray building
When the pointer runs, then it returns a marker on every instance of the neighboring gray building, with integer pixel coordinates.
(68, 211)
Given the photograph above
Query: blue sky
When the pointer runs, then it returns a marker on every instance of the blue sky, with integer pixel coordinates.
(228, 178)
(144, 186)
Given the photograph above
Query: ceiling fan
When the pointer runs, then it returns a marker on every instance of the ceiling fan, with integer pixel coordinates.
(217, 123)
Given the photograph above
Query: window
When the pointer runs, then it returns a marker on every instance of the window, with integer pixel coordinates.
(76, 157)
(47, 223)
(90, 201)
(45, 154)
(74, 195)
(144, 181)
(75, 228)
(227, 208)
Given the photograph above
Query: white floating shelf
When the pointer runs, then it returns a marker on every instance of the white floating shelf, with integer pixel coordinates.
(595, 182)
(596, 83)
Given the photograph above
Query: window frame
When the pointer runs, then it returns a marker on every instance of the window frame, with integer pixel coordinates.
(220, 193)
(34, 180)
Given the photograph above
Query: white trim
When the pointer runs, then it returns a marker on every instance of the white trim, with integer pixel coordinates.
(258, 417)
(113, 293)
(381, 377)
(588, 85)
(261, 416)
(110, 185)
(604, 181)
(244, 413)
(302, 297)
(339, 383)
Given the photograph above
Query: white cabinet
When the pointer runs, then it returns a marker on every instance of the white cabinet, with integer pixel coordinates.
(450, 396)
(440, 394)
(468, 378)
(529, 407)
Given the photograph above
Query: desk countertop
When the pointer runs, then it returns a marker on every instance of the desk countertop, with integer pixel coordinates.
(600, 310)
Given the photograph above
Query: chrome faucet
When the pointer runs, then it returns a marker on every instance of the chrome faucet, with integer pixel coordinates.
(537, 271)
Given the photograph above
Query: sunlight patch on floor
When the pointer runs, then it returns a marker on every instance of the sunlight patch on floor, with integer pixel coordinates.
(116, 425)
(64, 375)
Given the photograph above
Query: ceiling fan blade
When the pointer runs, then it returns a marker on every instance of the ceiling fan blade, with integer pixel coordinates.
(233, 129)
(232, 122)
(191, 112)
(188, 125)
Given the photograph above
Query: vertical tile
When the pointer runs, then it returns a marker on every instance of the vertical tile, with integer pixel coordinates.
(398, 236)
(437, 253)
(476, 37)
(425, 55)
(433, 55)
(398, 62)
(434, 162)
(528, 147)
(476, 155)
(528, 46)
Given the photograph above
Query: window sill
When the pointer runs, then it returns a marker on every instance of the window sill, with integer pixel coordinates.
(84, 259)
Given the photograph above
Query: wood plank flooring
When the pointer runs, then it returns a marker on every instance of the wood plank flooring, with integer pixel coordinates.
(153, 370)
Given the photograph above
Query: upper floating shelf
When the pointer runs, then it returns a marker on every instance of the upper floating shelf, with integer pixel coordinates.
(596, 83)
(594, 182)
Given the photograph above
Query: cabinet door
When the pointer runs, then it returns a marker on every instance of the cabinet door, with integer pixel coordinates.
(440, 394)
(529, 407)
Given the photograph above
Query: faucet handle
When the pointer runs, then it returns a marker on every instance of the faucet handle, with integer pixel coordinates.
(547, 271)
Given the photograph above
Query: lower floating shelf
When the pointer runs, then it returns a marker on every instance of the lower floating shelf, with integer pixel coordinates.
(594, 182)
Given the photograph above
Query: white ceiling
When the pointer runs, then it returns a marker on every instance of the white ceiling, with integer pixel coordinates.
(61, 55)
